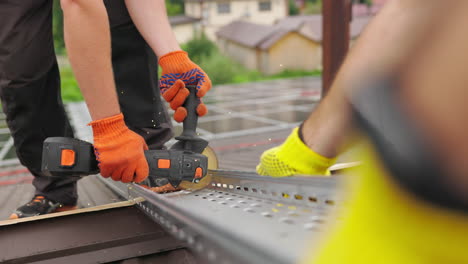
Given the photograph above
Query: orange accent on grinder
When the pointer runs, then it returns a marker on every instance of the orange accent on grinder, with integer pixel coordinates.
(198, 173)
(164, 163)
(67, 157)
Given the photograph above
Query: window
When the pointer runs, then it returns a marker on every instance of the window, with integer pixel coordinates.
(264, 6)
(224, 8)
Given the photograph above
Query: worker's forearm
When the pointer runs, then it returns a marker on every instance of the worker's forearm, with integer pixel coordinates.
(151, 19)
(389, 38)
(87, 38)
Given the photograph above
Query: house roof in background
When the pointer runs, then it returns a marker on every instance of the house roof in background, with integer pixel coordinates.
(182, 19)
(295, 23)
(314, 24)
(273, 38)
(264, 36)
(246, 33)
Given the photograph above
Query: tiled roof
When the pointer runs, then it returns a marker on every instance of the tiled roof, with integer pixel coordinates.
(294, 22)
(273, 38)
(314, 24)
(264, 36)
(246, 33)
(255, 35)
(179, 20)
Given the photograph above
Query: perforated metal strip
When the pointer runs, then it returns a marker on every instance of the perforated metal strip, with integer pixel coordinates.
(242, 217)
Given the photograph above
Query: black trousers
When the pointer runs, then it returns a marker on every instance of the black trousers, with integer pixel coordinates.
(30, 85)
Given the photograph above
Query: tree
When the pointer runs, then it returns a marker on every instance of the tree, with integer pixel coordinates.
(200, 47)
(293, 10)
(174, 8)
(313, 7)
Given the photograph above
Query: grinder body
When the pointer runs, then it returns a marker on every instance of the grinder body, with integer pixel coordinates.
(69, 157)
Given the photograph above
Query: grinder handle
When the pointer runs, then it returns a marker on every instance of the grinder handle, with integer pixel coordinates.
(191, 120)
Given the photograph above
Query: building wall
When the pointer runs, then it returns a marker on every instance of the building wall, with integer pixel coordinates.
(293, 52)
(248, 10)
(239, 53)
(193, 9)
(184, 32)
(239, 9)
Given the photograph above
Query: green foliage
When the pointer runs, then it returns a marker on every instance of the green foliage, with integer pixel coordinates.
(246, 76)
(292, 8)
(366, 2)
(222, 69)
(255, 76)
(57, 28)
(294, 74)
(70, 90)
(200, 47)
(313, 7)
(174, 8)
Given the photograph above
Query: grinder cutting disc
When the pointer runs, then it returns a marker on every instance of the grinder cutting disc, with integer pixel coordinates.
(212, 165)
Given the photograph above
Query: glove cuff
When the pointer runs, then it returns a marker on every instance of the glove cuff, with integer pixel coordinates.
(298, 155)
(175, 61)
(109, 127)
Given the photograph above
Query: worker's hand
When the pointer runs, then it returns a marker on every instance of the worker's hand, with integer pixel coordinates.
(293, 157)
(119, 150)
(177, 72)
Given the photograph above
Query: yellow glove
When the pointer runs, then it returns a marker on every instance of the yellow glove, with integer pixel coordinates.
(384, 224)
(293, 157)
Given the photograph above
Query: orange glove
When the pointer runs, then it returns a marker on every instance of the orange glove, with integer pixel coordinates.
(177, 71)
(119, 150)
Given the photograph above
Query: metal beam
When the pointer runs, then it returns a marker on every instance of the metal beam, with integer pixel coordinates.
(93, 237)
(337, 15)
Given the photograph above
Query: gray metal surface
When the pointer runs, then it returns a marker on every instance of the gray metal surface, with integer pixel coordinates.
(90, 237)
(241, 217)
